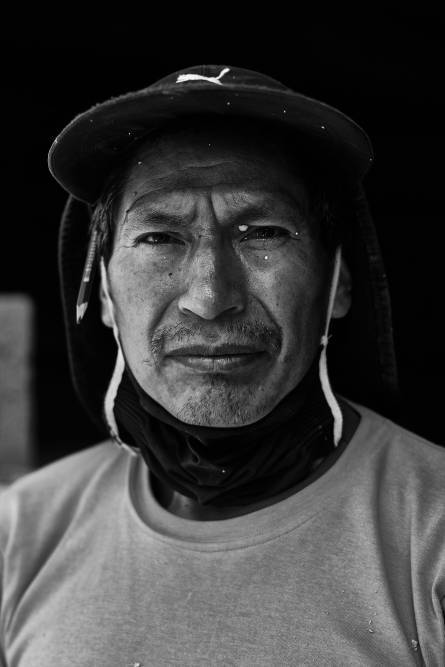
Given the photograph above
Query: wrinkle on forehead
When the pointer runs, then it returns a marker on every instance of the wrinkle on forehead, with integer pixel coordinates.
(236, 174)
(229, 165)
(268, 199)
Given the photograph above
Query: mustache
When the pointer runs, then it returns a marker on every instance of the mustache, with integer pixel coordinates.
(253, 333)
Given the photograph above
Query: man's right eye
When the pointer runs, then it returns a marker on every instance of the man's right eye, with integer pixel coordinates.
(157, 238)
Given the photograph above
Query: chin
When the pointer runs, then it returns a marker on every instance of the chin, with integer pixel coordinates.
(222, 408)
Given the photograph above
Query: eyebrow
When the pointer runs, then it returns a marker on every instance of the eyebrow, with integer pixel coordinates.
(156, 217)
(251, 211)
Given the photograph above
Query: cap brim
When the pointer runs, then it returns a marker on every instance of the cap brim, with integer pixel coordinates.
(87, 149)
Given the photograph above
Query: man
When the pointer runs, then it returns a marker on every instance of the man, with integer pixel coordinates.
(251, 514)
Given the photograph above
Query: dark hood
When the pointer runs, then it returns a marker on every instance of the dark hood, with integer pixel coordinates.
(361, 356)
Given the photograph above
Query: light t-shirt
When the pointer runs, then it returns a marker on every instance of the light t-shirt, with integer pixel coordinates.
(350, 570)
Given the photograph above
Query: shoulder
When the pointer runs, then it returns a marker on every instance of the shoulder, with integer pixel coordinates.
(51, 515)
(397, 437)
(75, 468)
(54, 491)
(400, 461)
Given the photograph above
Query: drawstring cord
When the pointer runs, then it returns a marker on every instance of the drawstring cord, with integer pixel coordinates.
(324, 378)
(119, 367)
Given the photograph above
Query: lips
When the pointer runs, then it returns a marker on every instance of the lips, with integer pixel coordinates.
(217, 359)
(216, 351)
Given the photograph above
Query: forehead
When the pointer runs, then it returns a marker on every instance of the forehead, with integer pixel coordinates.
(221, 159)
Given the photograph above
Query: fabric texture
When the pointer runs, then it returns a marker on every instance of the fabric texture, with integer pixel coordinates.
(348, 571)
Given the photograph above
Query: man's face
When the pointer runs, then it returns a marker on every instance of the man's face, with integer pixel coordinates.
(218, 277)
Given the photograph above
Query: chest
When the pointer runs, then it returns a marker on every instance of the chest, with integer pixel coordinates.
(281, 603)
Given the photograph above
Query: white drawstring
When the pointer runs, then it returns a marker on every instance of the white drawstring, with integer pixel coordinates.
(119, 367)
(324, 378)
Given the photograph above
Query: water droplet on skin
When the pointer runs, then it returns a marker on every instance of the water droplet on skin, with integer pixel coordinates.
(228, 104)
(414, 644)
(139, 163)
(284, 110)
(323, 127)
(266, 257)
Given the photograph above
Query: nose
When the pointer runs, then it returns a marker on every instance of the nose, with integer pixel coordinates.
(214, 283)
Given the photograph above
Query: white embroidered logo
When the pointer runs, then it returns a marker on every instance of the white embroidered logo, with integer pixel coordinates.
(197, 77)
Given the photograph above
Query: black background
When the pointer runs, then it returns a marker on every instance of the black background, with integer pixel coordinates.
(386, 72)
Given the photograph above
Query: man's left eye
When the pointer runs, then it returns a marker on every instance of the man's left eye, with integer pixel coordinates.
(265, 234)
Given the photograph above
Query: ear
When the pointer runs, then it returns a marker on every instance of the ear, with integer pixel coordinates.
(105, 307)
(342, 301)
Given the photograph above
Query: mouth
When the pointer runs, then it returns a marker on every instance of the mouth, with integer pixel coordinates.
(223, 358)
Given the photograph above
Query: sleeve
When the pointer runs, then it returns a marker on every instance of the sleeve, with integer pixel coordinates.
(3, 542)
(2, 654)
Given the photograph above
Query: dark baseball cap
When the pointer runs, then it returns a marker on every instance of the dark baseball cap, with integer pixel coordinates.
(88, 149)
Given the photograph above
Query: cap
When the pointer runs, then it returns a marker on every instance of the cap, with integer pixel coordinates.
(87, 149)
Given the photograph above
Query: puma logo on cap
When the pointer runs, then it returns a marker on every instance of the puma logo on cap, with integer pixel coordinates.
(199, 77)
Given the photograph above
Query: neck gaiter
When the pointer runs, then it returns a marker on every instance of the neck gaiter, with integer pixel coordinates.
(229, 466)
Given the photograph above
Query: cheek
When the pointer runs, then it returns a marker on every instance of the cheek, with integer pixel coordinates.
(294, 294)
(291, 287)
(140, 293)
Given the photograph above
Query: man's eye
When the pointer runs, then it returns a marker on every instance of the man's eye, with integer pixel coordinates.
(157, 238)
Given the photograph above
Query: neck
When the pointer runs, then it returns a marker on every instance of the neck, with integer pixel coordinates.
(231, 470)
(188, 508)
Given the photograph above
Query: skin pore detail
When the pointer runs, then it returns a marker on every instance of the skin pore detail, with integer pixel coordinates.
(217, 322)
